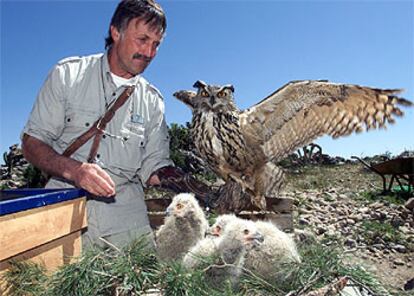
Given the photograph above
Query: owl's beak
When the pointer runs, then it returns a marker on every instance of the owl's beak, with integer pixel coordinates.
(212, 101)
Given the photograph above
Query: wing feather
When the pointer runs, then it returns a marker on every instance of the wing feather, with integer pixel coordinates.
(301, 111)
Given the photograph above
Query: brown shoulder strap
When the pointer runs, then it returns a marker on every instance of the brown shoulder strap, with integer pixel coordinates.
(98, 127)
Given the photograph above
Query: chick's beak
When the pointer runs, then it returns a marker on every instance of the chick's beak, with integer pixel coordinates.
(257, 238)
(168, 211)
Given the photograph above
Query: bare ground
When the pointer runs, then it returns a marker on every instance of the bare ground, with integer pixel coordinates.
(358, 188)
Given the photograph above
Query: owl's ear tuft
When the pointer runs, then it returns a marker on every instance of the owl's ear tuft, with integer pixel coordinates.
(229, 86)
(199, 83)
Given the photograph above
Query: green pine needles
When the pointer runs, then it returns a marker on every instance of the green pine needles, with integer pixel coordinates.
(135, 270)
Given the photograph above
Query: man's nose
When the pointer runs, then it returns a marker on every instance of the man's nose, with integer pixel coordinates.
(149, 51)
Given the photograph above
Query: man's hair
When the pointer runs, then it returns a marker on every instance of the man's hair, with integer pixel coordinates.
(147, 10)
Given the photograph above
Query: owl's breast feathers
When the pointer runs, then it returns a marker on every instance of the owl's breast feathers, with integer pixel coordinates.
(219, 140)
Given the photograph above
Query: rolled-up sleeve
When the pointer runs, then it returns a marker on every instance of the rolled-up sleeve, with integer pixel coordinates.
(46, 120)
(157, 150)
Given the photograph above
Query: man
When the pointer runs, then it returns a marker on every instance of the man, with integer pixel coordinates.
(135, 142)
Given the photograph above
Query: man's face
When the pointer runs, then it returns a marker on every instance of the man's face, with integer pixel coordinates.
(133, 48)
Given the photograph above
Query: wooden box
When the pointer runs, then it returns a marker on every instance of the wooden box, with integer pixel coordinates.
(41, 225)
(279, 211)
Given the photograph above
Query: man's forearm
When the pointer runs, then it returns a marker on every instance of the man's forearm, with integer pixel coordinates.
(48, 160)
(88, 176)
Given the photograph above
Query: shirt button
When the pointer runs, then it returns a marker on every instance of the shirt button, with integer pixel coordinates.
(125, 138)
(142, 143)
(98, 155)
(113, 94)
(87, 124)
(104, 136)
(68, 120)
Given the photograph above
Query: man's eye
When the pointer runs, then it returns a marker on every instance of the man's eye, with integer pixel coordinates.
(155, 46)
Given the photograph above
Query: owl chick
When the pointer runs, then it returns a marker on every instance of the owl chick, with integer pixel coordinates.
(221, 222)
(242, 146)
(277, 248)
(207, 246)
(230, 249)
(184, 225)
(200, 253)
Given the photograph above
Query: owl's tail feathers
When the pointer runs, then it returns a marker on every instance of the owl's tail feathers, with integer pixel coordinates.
(259, 201)
(231, 198)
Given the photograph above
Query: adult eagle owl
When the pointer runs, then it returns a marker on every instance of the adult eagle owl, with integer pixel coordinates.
(243, 146)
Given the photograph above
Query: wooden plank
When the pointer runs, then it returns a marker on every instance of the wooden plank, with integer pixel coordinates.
(279, 205)
(157, 204)
(156, 219)
(64, 250)
(283, 221)
(51, 255)
(25, 230)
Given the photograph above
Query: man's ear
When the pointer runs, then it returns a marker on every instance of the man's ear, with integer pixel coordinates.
(115, 34)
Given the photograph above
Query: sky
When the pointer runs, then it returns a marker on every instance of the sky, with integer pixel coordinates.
(257, 46)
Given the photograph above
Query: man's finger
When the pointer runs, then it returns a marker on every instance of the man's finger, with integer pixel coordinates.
(106, 176)
(97, 185)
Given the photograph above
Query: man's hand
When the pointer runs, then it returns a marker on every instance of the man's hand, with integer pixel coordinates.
(94, 179)
(154, 180)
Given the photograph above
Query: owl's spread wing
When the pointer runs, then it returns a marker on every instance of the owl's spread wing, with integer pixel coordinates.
(301, 111)
(186, 96)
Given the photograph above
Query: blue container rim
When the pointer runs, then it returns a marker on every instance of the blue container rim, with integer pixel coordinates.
(35, 198)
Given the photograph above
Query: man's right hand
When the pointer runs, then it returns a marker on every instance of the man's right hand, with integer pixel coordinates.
(94, 179)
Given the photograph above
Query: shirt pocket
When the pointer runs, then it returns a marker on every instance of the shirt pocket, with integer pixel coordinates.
(77, 121)
(134, 141)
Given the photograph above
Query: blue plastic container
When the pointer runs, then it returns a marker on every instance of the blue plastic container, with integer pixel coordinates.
(17, 200)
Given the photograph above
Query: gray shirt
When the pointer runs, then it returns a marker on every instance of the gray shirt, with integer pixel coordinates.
(76, 93)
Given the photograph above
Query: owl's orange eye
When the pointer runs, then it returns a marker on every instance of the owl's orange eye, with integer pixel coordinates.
(221, 94)
(204, 93)
(179, 206)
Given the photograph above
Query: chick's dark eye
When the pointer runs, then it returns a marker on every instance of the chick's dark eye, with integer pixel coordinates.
(246, 231)
(179, 206)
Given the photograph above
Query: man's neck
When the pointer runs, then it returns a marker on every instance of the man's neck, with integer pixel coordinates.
(114, 66)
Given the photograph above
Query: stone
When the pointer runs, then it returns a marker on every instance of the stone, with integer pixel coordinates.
(350, 242)
(303, 221)
(399, 262)
(320, 230)
(400, 248)
(376, 205)
(396, 221)
(302, 235)
(410, 204)
(409, 285)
